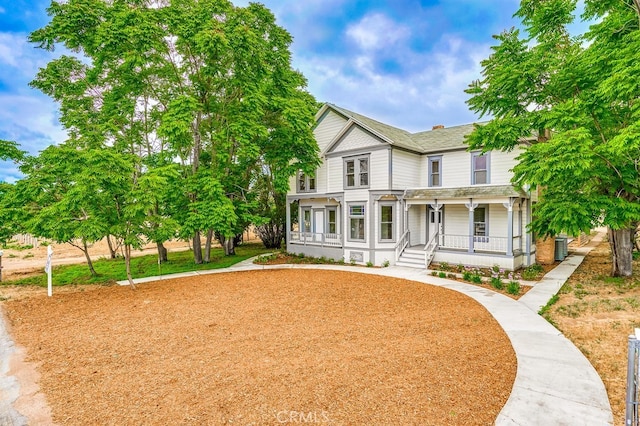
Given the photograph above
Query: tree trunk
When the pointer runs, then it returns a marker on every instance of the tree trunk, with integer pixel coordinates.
(85, 250)
(127, 262)
(229, 247)
(621, 252)
(207, 246)
(162, 252)
(112, 249)
(197, 248)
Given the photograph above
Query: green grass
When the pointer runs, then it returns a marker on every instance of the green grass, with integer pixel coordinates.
(111, 270)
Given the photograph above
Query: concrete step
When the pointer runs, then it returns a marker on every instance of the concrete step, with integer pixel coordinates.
(406, 255)
(410, 265)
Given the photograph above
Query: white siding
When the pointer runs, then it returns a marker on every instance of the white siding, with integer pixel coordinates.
(497, 220)
(356, 138)
(456, 169)
(379, 170)
(335, 180)
(456, 220)
(407, 170)
(501, 165)
(328, 128)
(321, 178)
(417, 225)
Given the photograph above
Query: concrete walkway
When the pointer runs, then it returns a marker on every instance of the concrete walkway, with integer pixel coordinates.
(554, 385)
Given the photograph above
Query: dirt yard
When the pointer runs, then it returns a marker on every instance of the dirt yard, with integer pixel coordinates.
(597, 313)
(266, 347)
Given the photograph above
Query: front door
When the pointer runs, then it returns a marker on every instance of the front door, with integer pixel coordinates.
(318, 224)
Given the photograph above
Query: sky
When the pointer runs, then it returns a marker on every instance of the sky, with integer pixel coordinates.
(402, 62)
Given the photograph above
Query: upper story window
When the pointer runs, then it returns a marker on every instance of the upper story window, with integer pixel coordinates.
(435, 171)
(356, 172)
(479, 168)
(306, 183)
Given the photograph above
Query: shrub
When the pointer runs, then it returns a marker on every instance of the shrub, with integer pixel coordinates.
(442, 274)
(460, 267)
(466, 275)
(341, 261)
(513, 287)
(369, 264)
(434, 273)
(352, 262)
(452, 276)
(497, 283)
(531, 272)
(476, 279)
(385, 264)
(445, 266)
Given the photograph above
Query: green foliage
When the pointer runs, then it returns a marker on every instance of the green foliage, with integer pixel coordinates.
(369, 264)
(466, 275)
(532, 272)
(442, 274)
(385, 264)
(476, 279)
(574, 101)
(497, 283)
(513, 287)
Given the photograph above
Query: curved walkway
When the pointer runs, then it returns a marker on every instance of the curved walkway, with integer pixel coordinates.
(554, 385)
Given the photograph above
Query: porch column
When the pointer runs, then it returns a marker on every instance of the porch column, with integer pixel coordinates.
(471, 206)
(287, 232)
(436, 207)
(520, 225)
(509, 207)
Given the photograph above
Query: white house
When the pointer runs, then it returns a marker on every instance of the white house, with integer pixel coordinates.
(383, 194)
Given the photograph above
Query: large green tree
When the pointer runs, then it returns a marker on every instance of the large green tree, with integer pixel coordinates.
(576, 99)
(11, 219)
(204, 83)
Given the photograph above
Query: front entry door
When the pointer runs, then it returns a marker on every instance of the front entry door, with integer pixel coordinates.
(318, 224)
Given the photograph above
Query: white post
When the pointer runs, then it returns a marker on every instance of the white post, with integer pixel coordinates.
(47, 269)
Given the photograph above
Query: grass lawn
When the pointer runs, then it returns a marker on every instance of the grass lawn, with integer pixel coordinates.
(111, 270)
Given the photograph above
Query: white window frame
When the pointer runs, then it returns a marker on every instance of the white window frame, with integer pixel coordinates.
(481, 238)
(361, 216)
(435, 159)
(303, 227)
(307, 183)
(357, 172)
(474, 156)
(392, 223)
(328, 212)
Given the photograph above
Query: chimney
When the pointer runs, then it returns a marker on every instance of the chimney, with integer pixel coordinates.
(438, 126)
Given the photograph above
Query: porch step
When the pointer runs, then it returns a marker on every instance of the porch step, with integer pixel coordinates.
(411, 259)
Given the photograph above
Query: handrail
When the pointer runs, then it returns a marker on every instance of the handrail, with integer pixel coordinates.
(402, 243)
(429, 248)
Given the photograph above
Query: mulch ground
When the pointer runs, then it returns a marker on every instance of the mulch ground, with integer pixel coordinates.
(267, 347)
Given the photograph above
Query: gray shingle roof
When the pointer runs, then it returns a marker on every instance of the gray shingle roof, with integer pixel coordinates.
(487, 191)
(423, 142)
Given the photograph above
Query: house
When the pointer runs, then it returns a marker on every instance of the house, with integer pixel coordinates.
(383, 196)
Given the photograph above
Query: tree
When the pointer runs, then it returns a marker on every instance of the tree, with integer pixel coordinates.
(10, 218)
(578, 98)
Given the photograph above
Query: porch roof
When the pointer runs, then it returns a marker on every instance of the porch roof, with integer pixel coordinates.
(465, 192)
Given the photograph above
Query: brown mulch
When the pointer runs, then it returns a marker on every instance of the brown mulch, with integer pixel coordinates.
(261, 347)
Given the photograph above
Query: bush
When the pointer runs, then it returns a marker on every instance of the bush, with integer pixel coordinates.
(452, 276)
(476, 279)
(531, 272)
(442, 274)
(385, 264)
(369, 264)
(434, 273)
(497, 283)
(466, 275)
(444, 266)
(513, 287)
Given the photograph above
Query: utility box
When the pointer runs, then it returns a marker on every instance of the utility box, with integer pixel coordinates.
(562, 248)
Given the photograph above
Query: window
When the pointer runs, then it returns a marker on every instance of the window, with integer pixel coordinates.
(356, 172)
(479, 168)
(306, 220)
(386, 222)
(480, 223)
(356, 222)
(435, 171)
(306, 183)
(332, 221)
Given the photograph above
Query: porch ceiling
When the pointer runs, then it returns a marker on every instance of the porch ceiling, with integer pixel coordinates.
(465, 192)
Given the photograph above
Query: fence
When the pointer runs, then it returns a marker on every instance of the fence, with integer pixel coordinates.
(633, 381)
(26, 240)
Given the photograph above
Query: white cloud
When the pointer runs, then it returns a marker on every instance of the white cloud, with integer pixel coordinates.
(376, 31)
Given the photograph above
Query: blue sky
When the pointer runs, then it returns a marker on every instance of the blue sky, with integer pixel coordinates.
(403, 62)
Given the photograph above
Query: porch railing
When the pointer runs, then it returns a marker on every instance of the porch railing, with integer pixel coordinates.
(480, 243)
(402, 243)
(429, 249)
(316, 239)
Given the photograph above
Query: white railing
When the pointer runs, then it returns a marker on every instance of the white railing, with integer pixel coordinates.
(480, 243)
(402, 243)
(429, 248)
(316, 238)
(517, 243)
(26, 240)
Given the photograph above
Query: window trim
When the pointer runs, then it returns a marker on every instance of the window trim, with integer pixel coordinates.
(432, 159)
(357, 173)
(303, 228)
(475, 155)
(307, 179)
(328, 211)
(481, 238)
(362, 216)
(393, 221)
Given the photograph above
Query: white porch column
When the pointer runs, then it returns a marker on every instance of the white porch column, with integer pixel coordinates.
(287, 233)
(509, 207)
(437, 208)
(471, 206)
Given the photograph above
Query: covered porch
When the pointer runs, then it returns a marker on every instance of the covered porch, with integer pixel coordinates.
(477, 225)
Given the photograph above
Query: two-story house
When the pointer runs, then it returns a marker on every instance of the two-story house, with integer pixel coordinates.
(386, 196)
